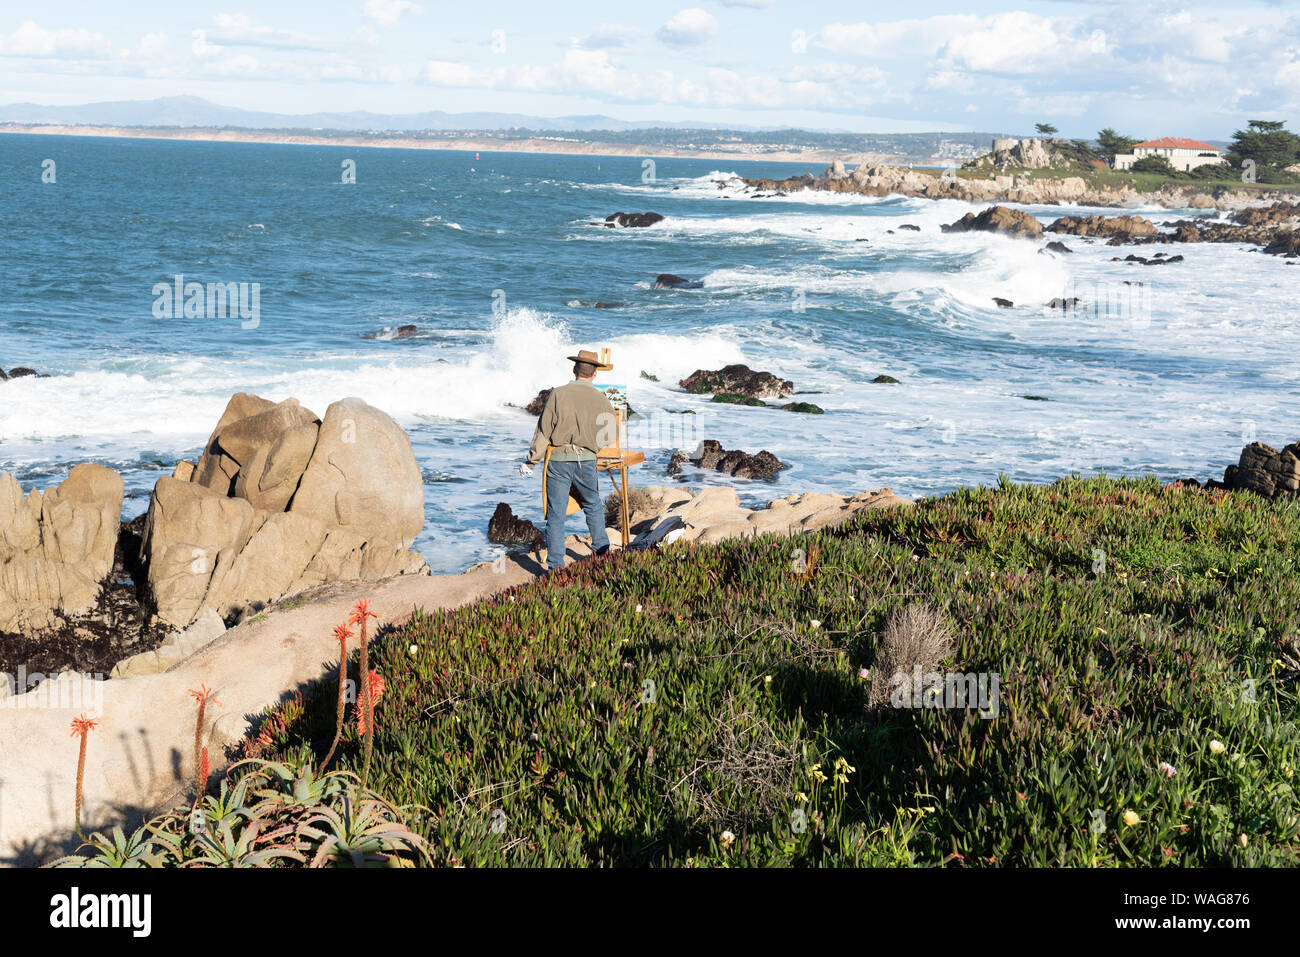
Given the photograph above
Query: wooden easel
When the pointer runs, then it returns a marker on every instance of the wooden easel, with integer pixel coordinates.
(617, 458)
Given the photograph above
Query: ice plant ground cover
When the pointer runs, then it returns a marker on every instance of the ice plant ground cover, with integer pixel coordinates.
(710, 705)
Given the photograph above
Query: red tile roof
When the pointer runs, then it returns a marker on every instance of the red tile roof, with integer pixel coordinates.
(1179, 143)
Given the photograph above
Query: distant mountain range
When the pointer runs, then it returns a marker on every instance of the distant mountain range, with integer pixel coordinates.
(195, 111)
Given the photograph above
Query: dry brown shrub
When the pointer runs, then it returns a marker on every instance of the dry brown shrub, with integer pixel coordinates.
(914, 635)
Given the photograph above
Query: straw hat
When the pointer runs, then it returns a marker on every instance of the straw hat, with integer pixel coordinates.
(586, 355)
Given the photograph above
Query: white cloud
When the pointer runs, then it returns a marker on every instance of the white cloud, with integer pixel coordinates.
(30, 40)
(609, 36)
(688, 27)
(386, 13)
(752, 4)
(1022, 42)
(239, 29)
(596, 73)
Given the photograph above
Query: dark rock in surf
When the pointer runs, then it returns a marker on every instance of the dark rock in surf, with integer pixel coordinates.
(633, 220)
(405, 332)
(667, 280)
(22, 372)
(737, 379)
(1003, 303)
(505, 528)
(1056, 246)
(885, 380)
(910, 227)
(711, 455)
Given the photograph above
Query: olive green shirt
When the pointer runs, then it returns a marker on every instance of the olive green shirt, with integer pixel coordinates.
(578, 420)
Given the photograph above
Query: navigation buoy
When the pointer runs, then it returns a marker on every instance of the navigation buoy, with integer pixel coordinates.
(475, 157)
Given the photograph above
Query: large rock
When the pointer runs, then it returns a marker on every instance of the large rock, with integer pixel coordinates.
(217, 469)
(738, 379)
(281, 502)
(506, 528)
(56, 548)
(998, 219)
(1125, 228)
(363, 475)
(1267, 471)
(189, 533)
(711, 455)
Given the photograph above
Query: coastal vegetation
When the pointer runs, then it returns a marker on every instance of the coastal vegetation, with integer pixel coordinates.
(744, 703)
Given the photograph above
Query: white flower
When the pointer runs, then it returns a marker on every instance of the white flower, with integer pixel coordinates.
(815, 623)
(638, 608)
(1168, 769)
(414, 648)
(1217, 746)
(727, 838)
(767, 679)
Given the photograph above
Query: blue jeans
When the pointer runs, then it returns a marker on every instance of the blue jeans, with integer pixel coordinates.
(581, 477)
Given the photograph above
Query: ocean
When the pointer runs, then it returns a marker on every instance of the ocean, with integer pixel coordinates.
(504, 266)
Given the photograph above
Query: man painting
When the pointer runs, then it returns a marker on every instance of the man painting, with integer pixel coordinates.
(577, 421)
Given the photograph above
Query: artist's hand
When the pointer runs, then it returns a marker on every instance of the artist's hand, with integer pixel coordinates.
(525, 469)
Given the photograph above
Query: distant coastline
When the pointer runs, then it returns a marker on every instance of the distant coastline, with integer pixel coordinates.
(458, 144)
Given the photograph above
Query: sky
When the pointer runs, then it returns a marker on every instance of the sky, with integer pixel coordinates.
(1147, 69)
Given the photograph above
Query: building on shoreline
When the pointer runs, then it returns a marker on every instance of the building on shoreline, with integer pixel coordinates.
(1183, 154)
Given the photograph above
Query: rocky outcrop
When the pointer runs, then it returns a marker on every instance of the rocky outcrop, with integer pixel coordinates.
(987, 185)
(1278, 214)
(633, 220)
(1266, 470)
(1159, 259)
(505, 528)
(1057, 247)
(21, 372)
(715, 514)
(998, 219)
(737, 379)
(280, 502)
(710, 454)
(1021, 154)
(1126, 228)
(1285, 243)
(56, 547)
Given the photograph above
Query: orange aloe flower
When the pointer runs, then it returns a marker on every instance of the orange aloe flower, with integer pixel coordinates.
(361, 612)
(83, 726)
(204, 697)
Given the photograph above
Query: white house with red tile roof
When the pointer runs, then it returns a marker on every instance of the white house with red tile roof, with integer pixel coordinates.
(1182, 153)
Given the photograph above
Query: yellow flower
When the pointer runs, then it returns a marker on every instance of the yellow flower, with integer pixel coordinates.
(816, 773)
(801, 798)
(1131, 818)
(1217, 746)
